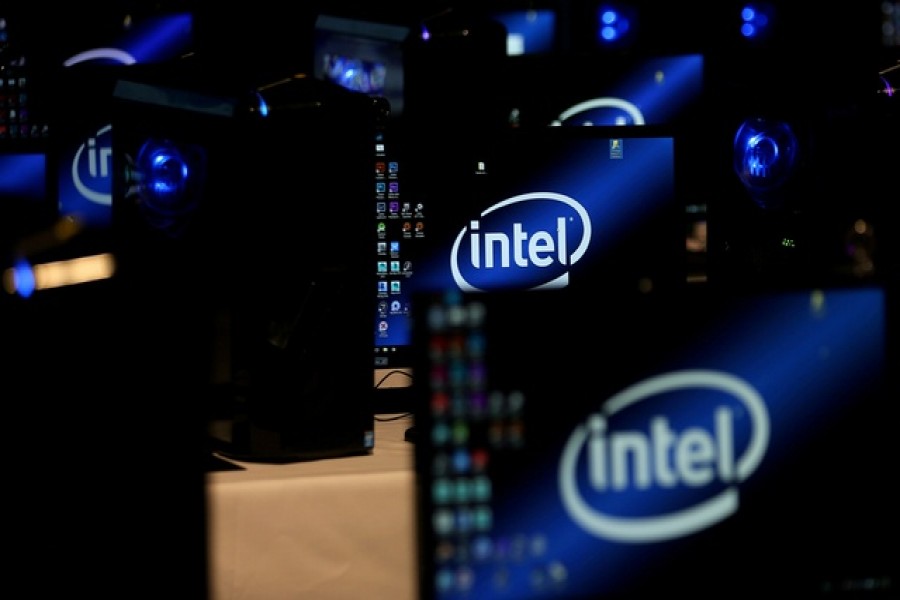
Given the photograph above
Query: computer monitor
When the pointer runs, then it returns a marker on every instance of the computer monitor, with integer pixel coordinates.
(716, 442)
(670, 89)
(597, 89)
(528, 209)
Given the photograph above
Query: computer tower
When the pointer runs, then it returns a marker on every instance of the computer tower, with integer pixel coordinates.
(239, 201)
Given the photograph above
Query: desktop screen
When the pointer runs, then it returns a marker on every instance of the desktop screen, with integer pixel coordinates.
(711, 443)
(525, 209)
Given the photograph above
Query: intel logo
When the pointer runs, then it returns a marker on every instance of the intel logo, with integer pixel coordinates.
(649, 465)
(90, 168)
(601, 111)
(526, 242)
(112, 55)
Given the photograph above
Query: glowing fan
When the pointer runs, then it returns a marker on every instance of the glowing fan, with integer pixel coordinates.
(765, 156)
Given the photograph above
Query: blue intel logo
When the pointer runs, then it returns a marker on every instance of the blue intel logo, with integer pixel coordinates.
(90, 168)
(525, 242)
(672, 471)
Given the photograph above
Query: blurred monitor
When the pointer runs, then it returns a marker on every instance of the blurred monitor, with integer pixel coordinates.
(709, 443)
(595, 89)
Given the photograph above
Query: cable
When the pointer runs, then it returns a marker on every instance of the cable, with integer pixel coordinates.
(394, 417)
(389, 374)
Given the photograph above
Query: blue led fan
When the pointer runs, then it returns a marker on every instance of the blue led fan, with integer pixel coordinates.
(765, 156)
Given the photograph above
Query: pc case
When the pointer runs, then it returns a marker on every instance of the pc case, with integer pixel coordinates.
(239, 201)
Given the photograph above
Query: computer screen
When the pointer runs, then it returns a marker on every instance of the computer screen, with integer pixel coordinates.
(525, 209)
(710, 443)
(569, 89)
(605, 89)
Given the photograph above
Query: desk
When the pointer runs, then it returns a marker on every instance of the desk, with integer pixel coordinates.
(335, 528)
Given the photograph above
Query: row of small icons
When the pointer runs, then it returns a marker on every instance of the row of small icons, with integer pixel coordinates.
(394, 266)
(390, 187)
(23, 130)
(394, 307)
(385, 287)
(389, 287)
(408, 227)
(394, 245)
(394, 207)
(382, 167)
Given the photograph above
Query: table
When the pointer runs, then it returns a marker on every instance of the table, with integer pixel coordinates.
(334, 528)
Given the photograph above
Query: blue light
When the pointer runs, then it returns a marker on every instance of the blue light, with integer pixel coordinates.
(755, 20)
(257, 104)
(23, 279)
(160, 38)
(613, 25)
(169, 178)
(155, 39)
(168, 172)
(765, 154)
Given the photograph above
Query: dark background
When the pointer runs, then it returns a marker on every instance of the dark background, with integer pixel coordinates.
(106, 467)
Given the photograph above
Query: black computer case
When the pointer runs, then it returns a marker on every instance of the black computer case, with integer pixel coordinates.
(240, 201)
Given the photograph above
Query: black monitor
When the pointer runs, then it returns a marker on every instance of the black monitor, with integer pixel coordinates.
(590, 208)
